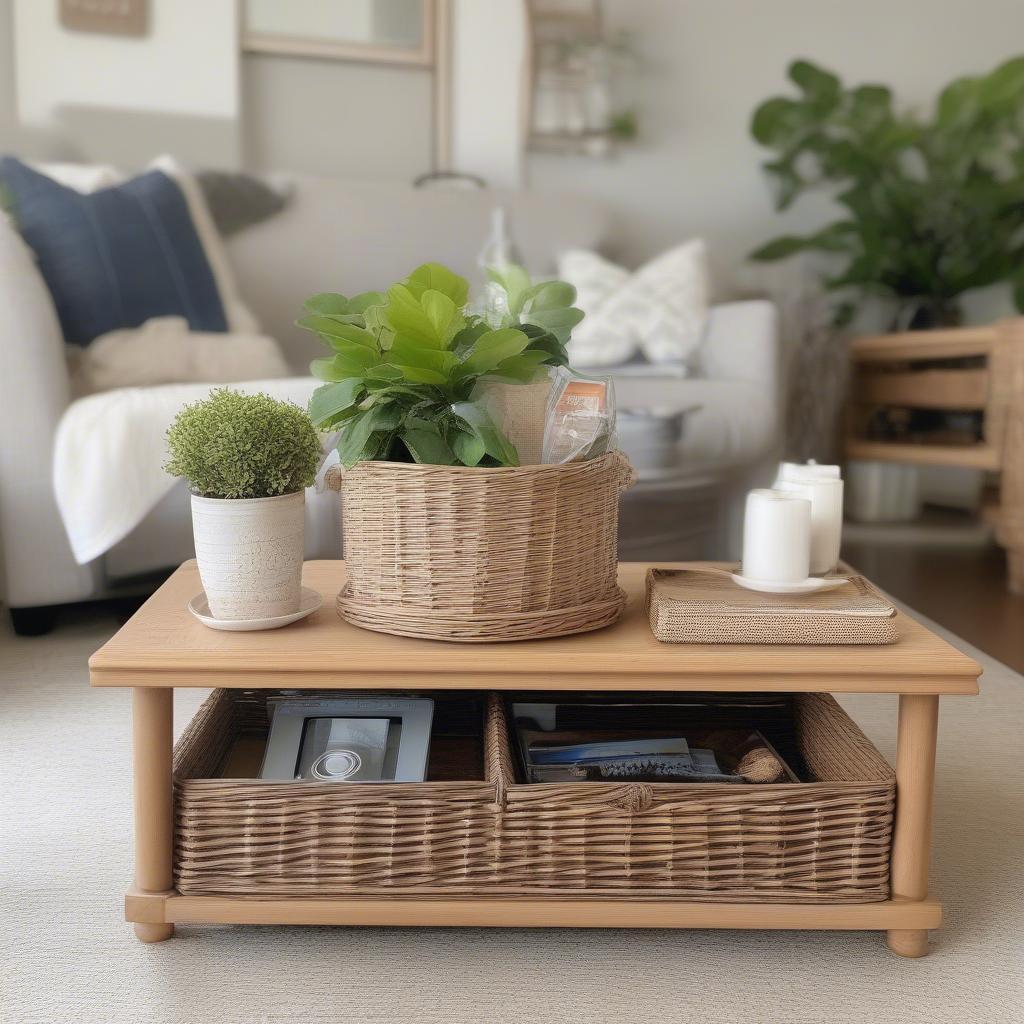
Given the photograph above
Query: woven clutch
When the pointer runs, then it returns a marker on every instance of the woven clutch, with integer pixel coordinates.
(704, 606)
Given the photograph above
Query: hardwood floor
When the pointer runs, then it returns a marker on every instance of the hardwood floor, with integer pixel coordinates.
(963, 588)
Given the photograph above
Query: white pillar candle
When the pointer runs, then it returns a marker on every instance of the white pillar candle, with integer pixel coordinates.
(807, 471)
(776, 536)
(826, 497)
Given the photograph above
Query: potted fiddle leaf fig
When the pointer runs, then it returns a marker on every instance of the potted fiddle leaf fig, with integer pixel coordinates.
(446, 535)
(401, 382)
(930, 206)
(248, 460)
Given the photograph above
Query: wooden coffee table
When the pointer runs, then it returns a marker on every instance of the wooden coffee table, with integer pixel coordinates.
(162, 647)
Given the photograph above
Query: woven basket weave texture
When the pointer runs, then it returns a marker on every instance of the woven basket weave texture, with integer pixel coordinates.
(469, 554)
(827, 840)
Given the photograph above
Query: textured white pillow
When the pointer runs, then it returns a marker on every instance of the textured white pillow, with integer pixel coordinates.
(661, 309)
(164, 351)
(240, 318)
(595, 340)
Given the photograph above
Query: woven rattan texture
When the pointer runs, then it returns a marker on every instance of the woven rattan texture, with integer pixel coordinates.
(455, 553)
(703, 606)
(826, 840)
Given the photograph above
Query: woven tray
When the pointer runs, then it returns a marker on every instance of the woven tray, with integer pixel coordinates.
(826, 839)
(704, 606)
(479, 555)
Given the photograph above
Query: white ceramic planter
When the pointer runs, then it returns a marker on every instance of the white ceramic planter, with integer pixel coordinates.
(250, 552)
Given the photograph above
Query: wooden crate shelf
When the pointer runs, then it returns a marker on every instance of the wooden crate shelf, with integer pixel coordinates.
(899, 371)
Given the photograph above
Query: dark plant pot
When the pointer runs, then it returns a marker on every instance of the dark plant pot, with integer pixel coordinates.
(927, 314)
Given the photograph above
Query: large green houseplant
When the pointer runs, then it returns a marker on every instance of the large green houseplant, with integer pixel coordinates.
(933, 206)
(404, 365)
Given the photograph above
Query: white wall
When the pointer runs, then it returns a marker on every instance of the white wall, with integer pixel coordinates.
(336, 118)
(185, 68)
(488, 64)
(186, 63)
(708, 63)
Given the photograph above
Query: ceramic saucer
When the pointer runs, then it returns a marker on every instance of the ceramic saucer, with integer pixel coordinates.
(811, 585)
(309, 601)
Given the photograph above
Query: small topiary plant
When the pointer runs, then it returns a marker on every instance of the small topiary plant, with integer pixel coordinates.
(243, 446)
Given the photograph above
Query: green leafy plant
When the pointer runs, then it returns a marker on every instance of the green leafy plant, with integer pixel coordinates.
(405, 362)
(934, 206)
(243, 446)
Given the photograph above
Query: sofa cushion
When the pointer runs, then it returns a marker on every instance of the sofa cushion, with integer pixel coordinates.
(660, 310)
(116, 257)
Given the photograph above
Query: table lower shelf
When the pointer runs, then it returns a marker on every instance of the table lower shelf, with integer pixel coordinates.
(172, 908)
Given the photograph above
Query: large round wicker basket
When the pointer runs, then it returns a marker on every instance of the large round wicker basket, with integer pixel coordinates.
(475, 555)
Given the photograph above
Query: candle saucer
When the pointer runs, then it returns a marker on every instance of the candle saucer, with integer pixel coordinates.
(811, 585)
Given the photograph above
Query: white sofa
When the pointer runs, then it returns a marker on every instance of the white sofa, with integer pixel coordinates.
(350, 236)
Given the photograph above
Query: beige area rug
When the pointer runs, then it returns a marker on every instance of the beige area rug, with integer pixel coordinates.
(68, 956)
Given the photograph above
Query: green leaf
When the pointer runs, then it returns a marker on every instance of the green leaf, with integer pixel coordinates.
(550, 295)
(958, 102)
(558, 322)
(336, 332)
(1018, 296)
(821, 87)
(516, 282)
(438, 278)
(422, 375)
(405, 353)
(407, 317)
(1003, 86)
(352, 363)
(480, 423)
(443, 314)
(361, 303)
(426, 445)
(327, 303)
(779, 248)
(468, 448)
(492, 348)
(383, 373)
(331, 399)
(522, 368)
(465, 339)
(777, 120)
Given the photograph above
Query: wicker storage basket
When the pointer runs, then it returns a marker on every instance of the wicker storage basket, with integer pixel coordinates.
(244, 836)
(824, 840)
(454, 553)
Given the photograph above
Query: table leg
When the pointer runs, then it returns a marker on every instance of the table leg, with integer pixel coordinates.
(152, 737)
(915, 778)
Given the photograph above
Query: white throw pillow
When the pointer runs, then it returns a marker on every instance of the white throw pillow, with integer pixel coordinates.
(660, 310)
(240, 318)
(164, 351)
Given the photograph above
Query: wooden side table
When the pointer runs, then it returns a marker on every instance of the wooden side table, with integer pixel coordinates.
(162, 647)
(965, 369)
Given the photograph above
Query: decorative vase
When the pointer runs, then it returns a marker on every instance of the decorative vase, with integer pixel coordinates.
(249, 552)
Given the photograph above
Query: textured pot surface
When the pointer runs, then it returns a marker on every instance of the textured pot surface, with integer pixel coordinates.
(249, 552)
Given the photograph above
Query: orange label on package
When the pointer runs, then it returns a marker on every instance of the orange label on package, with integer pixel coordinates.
(583, 396)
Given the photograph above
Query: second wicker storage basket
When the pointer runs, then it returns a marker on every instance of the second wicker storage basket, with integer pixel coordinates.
(470, 554)
(473, 829)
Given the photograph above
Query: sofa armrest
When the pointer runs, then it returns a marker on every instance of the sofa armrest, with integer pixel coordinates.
(34, 392)
(741, 343)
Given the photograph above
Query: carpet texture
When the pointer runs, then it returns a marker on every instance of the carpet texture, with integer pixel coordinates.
(65, 861)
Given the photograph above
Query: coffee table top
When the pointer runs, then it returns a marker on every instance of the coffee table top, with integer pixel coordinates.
(162, 645)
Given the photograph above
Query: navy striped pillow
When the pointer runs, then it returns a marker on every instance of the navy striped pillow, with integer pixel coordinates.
(115, 257)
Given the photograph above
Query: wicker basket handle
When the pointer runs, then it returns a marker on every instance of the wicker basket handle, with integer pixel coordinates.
(627, 474)
(333, 477)
(498, 767)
